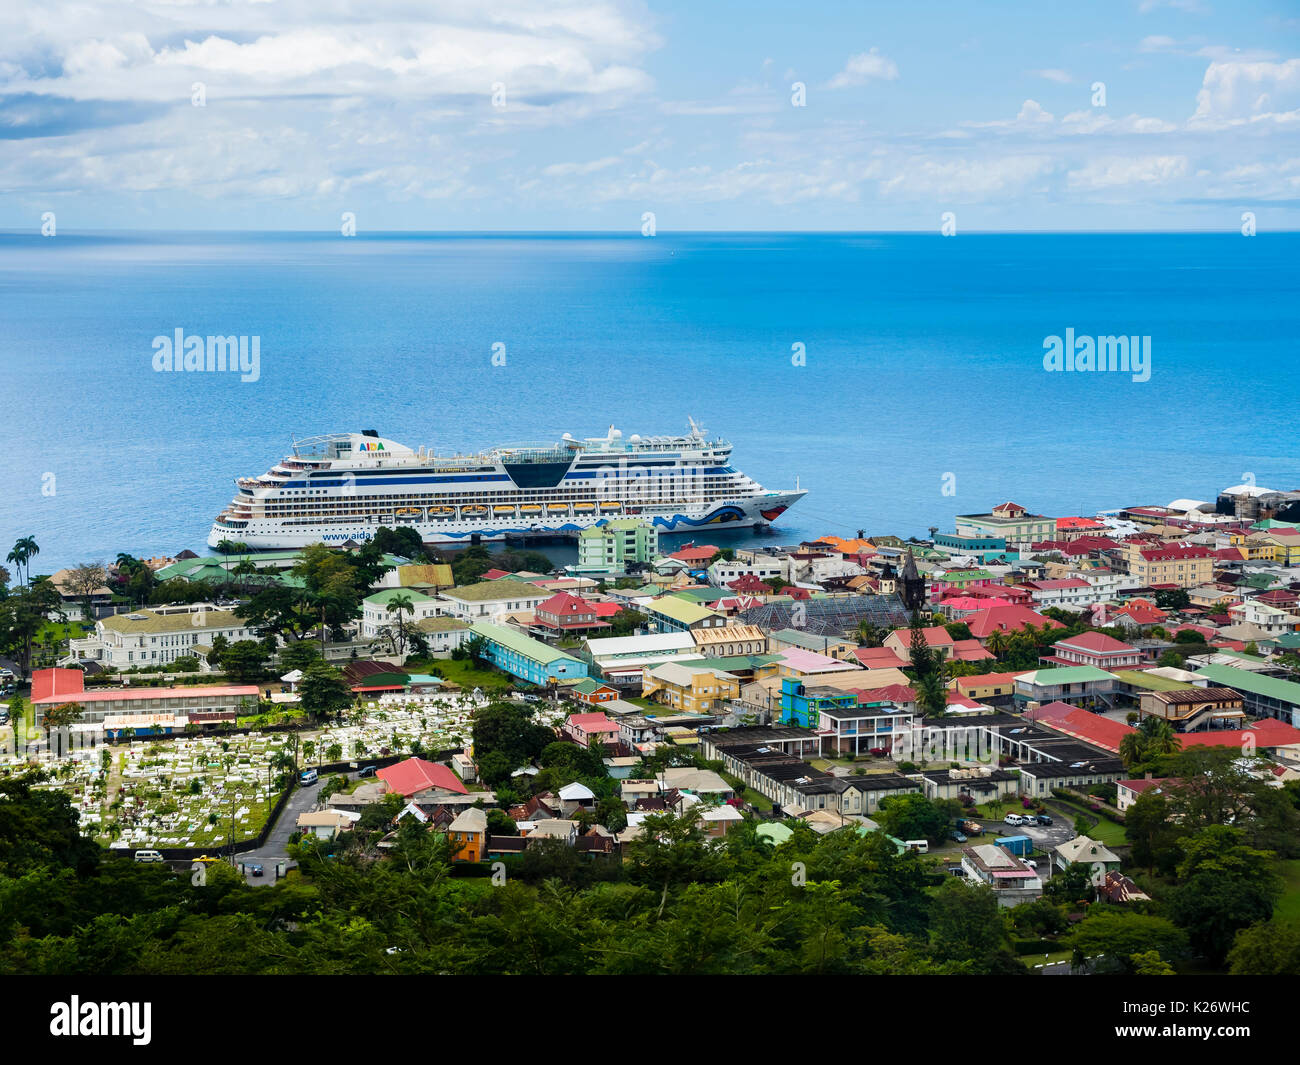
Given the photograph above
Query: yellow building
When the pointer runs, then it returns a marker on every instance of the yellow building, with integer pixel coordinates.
(1183, 565)
(688, 688)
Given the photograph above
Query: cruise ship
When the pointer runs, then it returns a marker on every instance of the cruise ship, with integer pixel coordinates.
(343, 487)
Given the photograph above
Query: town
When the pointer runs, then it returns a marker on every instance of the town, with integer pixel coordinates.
(1033, 744)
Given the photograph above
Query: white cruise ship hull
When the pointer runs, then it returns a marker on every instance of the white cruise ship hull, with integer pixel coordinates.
(346, 487)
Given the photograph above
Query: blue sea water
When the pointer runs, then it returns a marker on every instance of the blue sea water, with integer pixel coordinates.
(924, 366)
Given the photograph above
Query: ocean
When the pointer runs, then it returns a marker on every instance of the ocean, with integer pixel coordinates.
(899, 378)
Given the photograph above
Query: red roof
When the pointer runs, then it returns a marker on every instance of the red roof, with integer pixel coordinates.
(606, 610)
(564, 604)
(495, 574)
(695, 554)
(1078, 523)
(593, 722)
(416, 775)
(113, 695)
(1096, 643)
(1006, 619)
(1175, 551)
(1056, 584)
(48, 683)
(1143, 612)
(748, 582)
(1267, 732)
(970, 651)
(1081, 724)
(880, 658)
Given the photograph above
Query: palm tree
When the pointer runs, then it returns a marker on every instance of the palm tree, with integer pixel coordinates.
(869, 633)
(1160, 737)
(999, 642)
(399, 605)
(22, 554)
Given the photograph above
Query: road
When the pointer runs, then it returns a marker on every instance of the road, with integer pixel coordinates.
(276, 847)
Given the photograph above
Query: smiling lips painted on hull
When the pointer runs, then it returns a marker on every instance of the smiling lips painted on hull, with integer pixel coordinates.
(344, 486)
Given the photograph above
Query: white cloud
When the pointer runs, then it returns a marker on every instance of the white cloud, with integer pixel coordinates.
(1058, 76)
(1115, 171)
(862, 68)
(1235, 91)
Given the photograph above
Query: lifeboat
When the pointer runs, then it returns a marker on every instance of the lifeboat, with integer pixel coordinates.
(530, 508)
(557, 508)
(610, 505)
(407, 512)
(584, 506)
(442, 512)
(473, 511)
(503, 510)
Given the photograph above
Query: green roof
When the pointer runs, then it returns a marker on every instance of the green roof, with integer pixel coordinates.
(519, 643)
(731, 663)
(387, 595)
(1067, 675)
(1285, 691)
(441, 624)
(150, 621)
(505, 588)
(1141, 679)
(699, 595)
(588, 685)
(682, 610)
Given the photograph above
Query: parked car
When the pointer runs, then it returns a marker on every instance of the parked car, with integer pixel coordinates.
(366, 771)
(958, 837)
(148, 856)
(1032, 863)
(972, 828)
(1013, 819)
(308, 776)
(1043, 819)
(256, 870)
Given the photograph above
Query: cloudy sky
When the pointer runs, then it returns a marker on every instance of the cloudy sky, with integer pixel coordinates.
(584, 114)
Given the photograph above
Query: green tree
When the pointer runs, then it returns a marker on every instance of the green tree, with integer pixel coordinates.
(1121, 936)
(671, 851)
(1268, 949)
(913, 816)
(63, 715)
(967, 924)
(244, 661)
(323, 691)
(1223, 887)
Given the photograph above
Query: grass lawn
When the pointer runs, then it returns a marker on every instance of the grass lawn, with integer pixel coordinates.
(1104, 830)
(52, 632)
(464, 673)
(1288, 906)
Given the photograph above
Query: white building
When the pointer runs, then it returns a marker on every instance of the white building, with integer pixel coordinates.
(377, 615)
(158, 635)
(764, 567)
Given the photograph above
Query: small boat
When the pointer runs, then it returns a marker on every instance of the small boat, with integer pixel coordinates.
(530, 508)
(441, 512)
(503, 510)
(407, 512)
(584, 506)
(557, 508)
(474, 510)
(610, 505)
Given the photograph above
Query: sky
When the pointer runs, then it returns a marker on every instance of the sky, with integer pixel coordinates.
(426, 115)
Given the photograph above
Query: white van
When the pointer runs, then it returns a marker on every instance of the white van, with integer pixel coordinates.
(308, 776)
(921, 846)
(148, 856)
(1014, 819)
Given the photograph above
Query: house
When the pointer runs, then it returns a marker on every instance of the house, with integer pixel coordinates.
(880, 658)
(415, 776)
(802, 704)
(751, 574)
(443, 634)
(1094, 649)
(565, 612)
(688, 687)
(526, 658)
(862, 795)
(797, 662)
(1127, 792)
(716, 821)
(1065, 593)
(555, 828)
(1271, 620)
(576, 796)
(493, 599)
(687, 780)
(1087, 851)
(1012, 881)
(1087, 767)
(994, 689)
(1084, 686)
(594, 692)
(469, 832)
(1139, 613)
(983, 623)
(588, 729)
(325, 824)
(1119, 889)
(1261, 696)
(670, 613)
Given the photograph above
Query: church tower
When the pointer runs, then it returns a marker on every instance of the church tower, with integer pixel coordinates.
(911, 584)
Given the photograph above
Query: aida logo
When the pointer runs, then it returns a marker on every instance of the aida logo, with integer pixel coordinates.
(372, 447)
